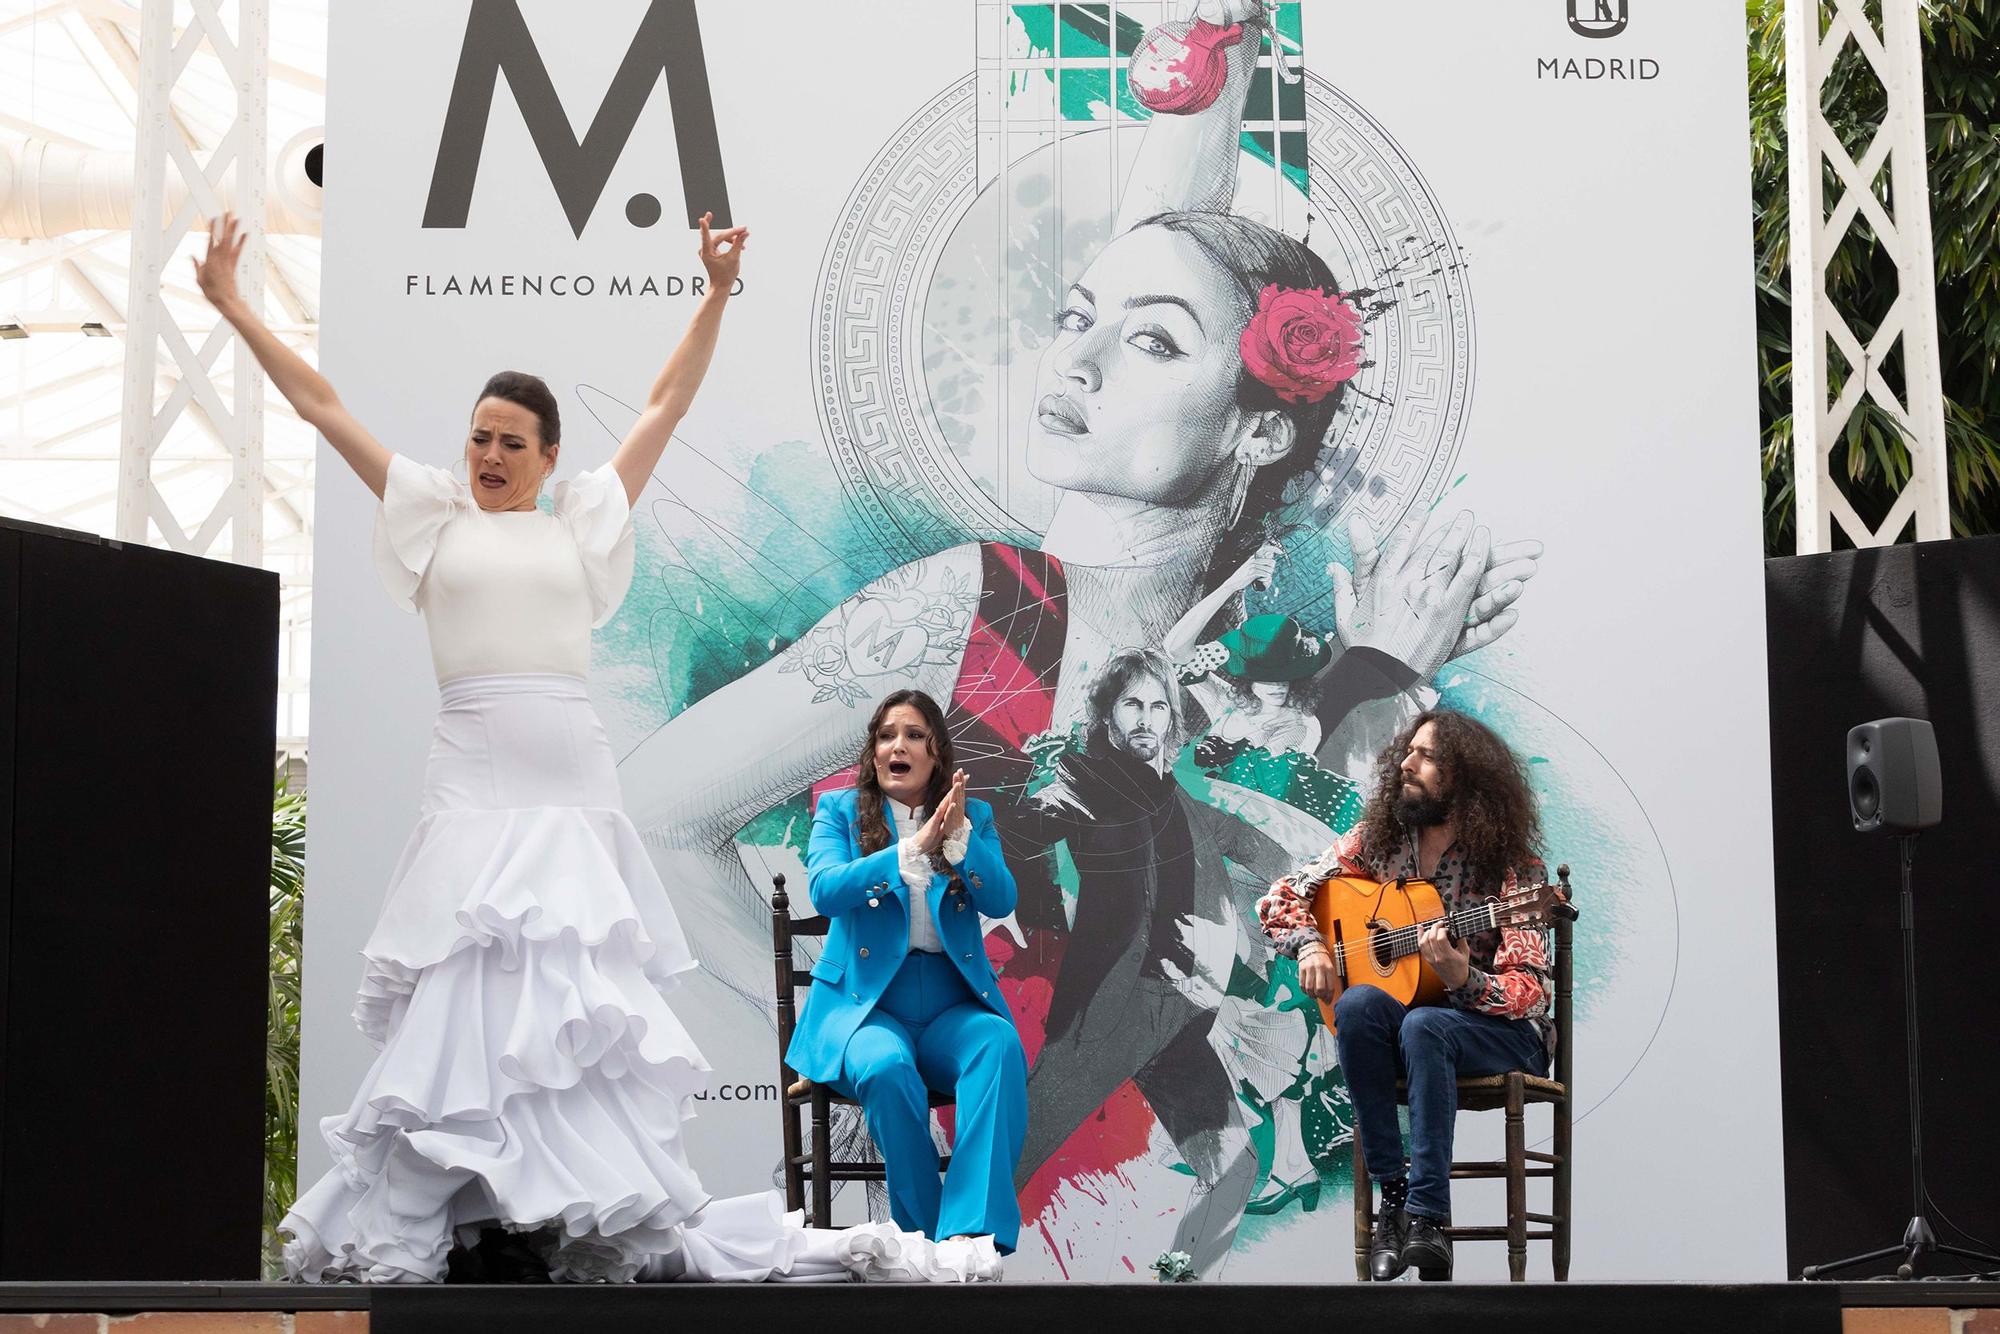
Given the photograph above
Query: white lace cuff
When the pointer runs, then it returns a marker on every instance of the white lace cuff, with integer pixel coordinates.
(916, 867)
(956, 842)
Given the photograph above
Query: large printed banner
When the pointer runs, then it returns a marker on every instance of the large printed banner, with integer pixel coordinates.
(1064, 369)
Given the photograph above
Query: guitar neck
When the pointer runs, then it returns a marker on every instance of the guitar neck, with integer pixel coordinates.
(1402, 942)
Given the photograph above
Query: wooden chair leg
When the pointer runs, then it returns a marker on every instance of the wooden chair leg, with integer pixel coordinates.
(822, 1159)
(795, 1193)
(1517, 1182)
(1364, 1209)
(1559, 1192)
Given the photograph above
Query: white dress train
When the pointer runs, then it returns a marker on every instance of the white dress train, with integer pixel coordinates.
(531, 1073)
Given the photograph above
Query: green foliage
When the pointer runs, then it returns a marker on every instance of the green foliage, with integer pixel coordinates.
(281, 1040)
(1961, 85)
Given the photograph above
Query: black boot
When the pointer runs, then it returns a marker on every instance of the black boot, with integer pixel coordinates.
(1392, 1225)
(1428, 1249)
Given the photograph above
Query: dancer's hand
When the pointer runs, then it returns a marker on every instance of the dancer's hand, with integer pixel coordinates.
(215, 272)
(1222, 13)
(1259, 570)
(946, 819)
(722, 255)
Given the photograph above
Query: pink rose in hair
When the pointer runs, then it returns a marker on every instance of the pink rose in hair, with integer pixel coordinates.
(1303, 342)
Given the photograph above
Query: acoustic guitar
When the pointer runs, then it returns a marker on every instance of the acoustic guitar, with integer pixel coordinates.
(1371, 929)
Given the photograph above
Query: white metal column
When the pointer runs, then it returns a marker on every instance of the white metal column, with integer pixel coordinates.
(239, 417)
(1904, 230)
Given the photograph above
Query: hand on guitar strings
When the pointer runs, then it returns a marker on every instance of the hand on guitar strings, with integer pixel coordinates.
(1450, 959)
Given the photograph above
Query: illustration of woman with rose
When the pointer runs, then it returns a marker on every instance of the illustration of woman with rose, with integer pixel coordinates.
(1199, 360)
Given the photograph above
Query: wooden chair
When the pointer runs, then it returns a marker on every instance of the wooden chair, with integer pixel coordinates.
(809, 1148)
(1511, 1093)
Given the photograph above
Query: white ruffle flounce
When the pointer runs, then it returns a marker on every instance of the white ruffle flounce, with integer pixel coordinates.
(531, 1070)
(533, 1075)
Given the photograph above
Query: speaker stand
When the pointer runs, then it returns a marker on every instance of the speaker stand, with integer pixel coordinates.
(1918, 1238)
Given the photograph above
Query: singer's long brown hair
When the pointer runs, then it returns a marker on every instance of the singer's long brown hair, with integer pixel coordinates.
(875, 831)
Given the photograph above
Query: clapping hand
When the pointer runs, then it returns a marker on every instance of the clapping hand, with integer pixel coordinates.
(946, 819)
(1426, 601)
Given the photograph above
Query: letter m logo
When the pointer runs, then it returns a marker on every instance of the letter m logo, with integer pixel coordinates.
(497, 41)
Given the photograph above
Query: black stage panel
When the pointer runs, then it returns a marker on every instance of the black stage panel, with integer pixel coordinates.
(1857, 635)
(1531, 1308)
(139, 693)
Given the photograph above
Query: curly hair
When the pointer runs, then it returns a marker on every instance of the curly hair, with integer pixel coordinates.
(1499, 827)
(875, 827)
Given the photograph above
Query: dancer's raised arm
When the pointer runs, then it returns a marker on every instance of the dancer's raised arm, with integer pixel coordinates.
(1188, 158)
(304, 388)
(673, 392)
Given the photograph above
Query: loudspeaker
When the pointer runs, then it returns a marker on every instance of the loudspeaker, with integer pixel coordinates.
(1893, 783)
(138, 705)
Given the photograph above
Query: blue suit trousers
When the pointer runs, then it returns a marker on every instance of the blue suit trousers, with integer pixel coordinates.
(930, 1032)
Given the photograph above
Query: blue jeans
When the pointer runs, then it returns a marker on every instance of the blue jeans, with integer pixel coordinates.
(1430, 1046)
(930, 1032)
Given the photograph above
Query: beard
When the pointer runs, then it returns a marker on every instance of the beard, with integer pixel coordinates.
(1139, 744)
(1420, 812)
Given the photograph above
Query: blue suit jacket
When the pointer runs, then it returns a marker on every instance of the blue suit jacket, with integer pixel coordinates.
(870, 934)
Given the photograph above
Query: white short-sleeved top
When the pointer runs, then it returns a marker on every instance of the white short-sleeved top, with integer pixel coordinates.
(508, 591)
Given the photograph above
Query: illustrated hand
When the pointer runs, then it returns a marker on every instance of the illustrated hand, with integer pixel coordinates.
(946, 819)
(1450, 959)
(722, 254)
(1508, 570)
(1413, 601)
(1225, 12)
(215, 272)
(1259, 570)
(1316, 973)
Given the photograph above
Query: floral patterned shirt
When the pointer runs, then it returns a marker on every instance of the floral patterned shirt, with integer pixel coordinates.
(1510, 976)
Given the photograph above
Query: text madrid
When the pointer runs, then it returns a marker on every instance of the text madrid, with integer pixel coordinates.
(1645, 69)
(555, 284)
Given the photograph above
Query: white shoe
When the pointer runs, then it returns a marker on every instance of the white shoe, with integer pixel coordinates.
(968, 1260)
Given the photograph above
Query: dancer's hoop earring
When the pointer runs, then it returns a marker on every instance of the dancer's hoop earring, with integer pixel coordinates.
(1244, 469)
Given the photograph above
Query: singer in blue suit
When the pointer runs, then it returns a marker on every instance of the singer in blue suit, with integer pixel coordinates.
(903, 999)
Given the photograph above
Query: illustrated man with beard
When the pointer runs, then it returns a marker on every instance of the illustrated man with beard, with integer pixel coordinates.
(1149, 862)
(1452, 806)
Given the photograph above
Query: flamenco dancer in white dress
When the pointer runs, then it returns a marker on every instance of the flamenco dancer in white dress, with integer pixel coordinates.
(531, 1074)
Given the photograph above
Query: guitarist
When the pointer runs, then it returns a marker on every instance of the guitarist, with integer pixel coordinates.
(1452, 806)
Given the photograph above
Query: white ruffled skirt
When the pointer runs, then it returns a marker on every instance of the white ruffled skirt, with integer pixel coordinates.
(531, 1073)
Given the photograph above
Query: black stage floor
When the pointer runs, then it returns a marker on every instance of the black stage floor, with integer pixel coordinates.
(1492, 1308)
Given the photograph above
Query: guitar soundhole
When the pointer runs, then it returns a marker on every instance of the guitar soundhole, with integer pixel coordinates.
(1378, 946)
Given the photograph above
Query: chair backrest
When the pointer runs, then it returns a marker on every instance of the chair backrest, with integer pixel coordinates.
(787, 974)
(1565, 976)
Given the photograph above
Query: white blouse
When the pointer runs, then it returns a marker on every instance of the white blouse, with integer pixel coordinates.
(916, 868)
(509, 591)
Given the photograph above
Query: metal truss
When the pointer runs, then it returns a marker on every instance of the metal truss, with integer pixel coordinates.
(236, 416)
(1902, 225)
(65, 244)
